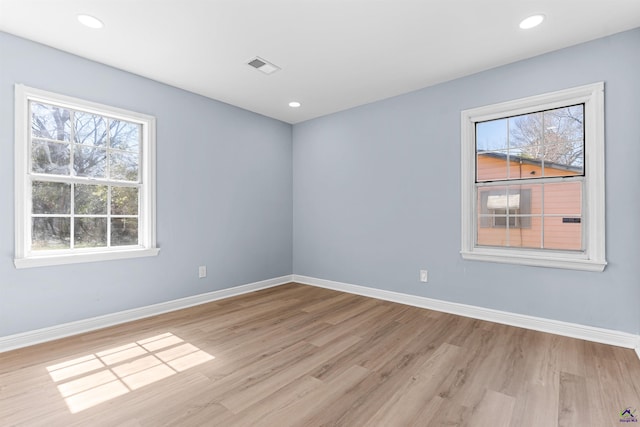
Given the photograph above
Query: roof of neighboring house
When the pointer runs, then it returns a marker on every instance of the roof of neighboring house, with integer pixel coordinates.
(529, 161)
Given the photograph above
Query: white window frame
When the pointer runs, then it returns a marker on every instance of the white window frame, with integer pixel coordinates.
(24, 257)
(593, 256)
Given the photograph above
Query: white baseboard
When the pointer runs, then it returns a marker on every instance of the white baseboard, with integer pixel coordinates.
(12, 342)
(573, 330)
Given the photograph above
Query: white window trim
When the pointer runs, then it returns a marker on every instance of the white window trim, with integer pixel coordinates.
(593, 258)
(147, 219)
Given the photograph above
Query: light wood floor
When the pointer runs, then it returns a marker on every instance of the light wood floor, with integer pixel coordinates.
(296, 355)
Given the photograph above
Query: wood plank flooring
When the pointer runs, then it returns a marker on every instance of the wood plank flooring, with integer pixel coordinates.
(296, 355)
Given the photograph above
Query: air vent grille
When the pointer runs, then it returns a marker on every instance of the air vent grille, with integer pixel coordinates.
(257, 63)
(263, 65)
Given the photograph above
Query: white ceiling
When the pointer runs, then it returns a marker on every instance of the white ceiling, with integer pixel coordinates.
(334, 54)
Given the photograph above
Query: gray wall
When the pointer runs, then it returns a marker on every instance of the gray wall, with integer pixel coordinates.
(224, 196)
(377, 192)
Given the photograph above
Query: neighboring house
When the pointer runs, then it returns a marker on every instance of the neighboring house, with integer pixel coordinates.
(511, 215)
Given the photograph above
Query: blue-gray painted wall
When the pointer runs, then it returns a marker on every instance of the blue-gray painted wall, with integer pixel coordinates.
(224, 196)
(377, 192)
(366, 196)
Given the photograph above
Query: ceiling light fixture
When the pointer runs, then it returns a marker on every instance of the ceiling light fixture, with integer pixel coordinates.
(531, 21)
(294, 104)
(90, 21)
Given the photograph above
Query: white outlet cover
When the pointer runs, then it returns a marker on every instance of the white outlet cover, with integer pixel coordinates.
(423, 275)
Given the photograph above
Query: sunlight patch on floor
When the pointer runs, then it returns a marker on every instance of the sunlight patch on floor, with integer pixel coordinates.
(92, 379)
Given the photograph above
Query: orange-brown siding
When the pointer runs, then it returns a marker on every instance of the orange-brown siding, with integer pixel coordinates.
(561, 200)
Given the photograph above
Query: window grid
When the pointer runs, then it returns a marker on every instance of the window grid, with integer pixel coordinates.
(73, 179)
(588, 175)
(541, 182)
(538, 181)
(132, 153)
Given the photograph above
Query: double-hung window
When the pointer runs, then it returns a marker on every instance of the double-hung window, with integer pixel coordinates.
(533, 180)
(85, 181)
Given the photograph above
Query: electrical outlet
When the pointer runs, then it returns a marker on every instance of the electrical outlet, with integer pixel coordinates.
(423, 275)
(202, 271)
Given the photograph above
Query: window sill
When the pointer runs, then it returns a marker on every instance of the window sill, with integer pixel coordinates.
(535, 259)
(62, 259)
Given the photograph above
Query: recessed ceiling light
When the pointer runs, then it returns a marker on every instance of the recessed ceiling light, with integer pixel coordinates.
(90, 21)
(532, 21)
(294, 104)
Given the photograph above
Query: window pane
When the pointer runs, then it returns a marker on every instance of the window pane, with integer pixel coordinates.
(124, 231)
(506, 216)
(528, 237)
(502, 200)
(491, 236)
(564, 159)
(557, 136)
(564, 124)
(491, 135)
(492, 166)
(124, 201)
(50, 233)
(124, 135)
(89, 161)
(549, 143)
(564, 198)
(522, 208)
(51, 122)
(50, 197)
(90, 129)
(124, 166)
(559, 234)
(50, 157)
(563, 230)
(90, 232)
(526, 130)
(90, 199)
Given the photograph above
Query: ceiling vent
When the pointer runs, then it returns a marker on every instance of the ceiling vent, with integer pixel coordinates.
(263, 65)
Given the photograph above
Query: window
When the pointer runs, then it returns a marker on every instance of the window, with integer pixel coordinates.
(533, 180)
(85, 181)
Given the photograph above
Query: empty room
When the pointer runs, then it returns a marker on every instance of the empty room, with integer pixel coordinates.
(319, 212)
